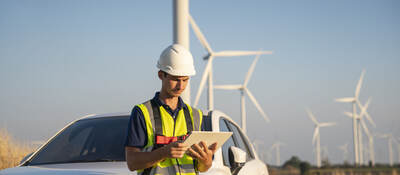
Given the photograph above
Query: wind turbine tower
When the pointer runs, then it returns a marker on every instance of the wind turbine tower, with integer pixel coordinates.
(316, 137)
(181, 33)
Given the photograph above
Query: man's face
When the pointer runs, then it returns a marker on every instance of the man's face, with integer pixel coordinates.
(173, 85)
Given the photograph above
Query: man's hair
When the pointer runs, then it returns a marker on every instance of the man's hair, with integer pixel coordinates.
(164, 73)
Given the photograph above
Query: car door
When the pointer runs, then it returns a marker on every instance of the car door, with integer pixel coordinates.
(252, 165)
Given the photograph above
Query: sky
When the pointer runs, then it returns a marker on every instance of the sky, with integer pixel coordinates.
(60, 60)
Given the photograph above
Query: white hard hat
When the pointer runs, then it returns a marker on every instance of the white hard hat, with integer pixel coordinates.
(176, 60)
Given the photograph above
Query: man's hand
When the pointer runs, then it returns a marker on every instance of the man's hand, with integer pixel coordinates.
(174, 150)
(136, 159)
(203, 154)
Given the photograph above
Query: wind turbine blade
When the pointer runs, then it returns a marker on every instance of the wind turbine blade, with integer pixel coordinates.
(251, 69)
(348, 114)
(368, 102)
(370, 119)
(311, 115)
(327, 124)
(364, 126)
(200, 35)
(316, 132)
(257, 105)
(229, 53)
(364, 111)
(203, 80)
(228, 87)
(358, 88)
(345, 100)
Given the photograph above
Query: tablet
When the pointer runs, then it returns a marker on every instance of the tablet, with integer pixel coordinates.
(209, 137)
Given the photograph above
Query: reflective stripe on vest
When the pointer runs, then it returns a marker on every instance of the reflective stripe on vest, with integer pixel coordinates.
(170, 166)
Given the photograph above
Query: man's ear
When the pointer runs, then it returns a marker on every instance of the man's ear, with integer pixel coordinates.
(160, 74)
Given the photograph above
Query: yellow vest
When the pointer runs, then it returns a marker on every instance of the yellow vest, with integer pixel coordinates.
(170, 127)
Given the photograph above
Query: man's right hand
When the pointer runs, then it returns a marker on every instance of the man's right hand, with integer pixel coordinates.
(136, 159)
(174, 150)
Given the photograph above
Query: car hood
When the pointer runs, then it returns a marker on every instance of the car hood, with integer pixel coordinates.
(93, 168)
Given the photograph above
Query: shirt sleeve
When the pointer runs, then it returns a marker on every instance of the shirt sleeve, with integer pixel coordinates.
(137, 135)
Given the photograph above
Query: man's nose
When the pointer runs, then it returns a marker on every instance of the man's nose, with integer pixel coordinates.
(180, 85)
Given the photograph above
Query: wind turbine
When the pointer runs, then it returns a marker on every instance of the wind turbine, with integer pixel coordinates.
(361, 122)
(316, 136)
(389, 137)
(366, 131)
(345, 151)
(244, 90)
(277, 146)
(354, 100)
(210, 57)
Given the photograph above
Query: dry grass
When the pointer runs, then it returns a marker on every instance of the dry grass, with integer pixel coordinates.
(11, 151)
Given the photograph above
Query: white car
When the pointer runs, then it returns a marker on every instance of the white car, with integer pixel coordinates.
(95, 145)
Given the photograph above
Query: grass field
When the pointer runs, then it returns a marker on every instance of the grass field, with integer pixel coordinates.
(11, 151)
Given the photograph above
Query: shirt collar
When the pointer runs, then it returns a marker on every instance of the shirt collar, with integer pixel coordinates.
(181, 104)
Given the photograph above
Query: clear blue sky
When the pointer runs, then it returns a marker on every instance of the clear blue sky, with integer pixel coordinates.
(60, 60)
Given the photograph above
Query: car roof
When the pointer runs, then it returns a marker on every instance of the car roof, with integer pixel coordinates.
(119, 114)
(116, 114)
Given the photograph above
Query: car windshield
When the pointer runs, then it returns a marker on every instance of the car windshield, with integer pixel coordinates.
(88, 140)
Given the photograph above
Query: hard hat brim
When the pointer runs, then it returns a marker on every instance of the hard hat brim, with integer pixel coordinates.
(175, 72)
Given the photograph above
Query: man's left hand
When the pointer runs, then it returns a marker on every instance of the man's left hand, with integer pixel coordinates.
(203, 154)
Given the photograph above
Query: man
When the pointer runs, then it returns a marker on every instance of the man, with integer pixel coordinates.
(156, 127)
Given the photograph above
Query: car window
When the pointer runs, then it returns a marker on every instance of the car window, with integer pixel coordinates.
(227, 144)
(89, 140)
(77, 142)
(240, 141)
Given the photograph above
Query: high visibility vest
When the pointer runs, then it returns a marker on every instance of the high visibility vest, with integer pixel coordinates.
(160, 122)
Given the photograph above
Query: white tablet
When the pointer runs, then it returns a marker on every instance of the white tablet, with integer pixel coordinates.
(209, 137)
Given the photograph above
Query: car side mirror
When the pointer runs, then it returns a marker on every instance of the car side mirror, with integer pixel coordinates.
(237, 158)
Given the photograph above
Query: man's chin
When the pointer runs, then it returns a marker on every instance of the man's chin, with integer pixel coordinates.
(176, 94)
